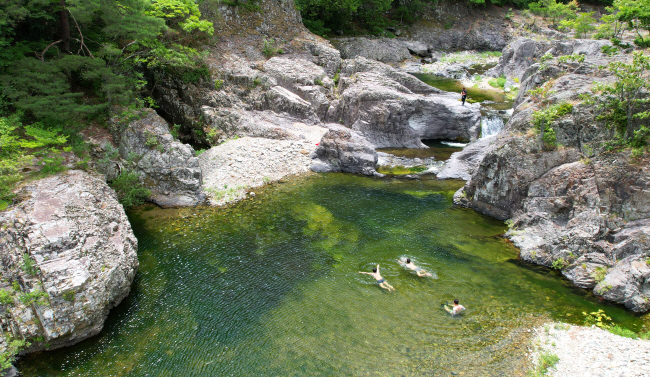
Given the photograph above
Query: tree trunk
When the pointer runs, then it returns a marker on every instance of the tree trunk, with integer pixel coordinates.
(65, 27)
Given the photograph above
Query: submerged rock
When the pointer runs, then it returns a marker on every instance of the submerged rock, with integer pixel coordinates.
(68, 257)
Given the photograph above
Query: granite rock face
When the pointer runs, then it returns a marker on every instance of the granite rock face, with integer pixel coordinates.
(342, 149)
(462, 164)
(68, 257)
(524, 52)
(388, 114)
(167, 167)
(574, 207)
(385, 50)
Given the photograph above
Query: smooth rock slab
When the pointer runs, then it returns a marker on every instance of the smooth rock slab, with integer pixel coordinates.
(84, 254)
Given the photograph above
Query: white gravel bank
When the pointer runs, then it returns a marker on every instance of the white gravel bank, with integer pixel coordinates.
(591, 352)
(234, 167)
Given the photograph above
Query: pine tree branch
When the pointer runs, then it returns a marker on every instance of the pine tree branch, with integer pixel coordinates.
(41, 56)
(81, 36)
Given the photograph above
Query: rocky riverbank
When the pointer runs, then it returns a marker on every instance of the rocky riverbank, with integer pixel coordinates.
(590, 351)
(575, 206)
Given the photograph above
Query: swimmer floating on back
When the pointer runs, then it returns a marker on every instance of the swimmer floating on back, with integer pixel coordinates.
(418, 270)
(381, 281)
(456, 309)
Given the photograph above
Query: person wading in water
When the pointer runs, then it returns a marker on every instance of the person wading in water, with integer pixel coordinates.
(463, 96)
(381, 281)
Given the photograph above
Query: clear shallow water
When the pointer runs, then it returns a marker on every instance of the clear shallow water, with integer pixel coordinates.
(269, 287)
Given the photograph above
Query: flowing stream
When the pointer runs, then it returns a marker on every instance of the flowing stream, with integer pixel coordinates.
(270, 287)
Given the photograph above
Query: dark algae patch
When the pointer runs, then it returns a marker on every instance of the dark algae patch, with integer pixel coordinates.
(269, 287)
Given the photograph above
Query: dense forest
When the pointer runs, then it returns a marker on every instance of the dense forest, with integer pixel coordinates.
(373, 16)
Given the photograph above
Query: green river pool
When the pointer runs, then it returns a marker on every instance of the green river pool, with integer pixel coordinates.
(270, 287)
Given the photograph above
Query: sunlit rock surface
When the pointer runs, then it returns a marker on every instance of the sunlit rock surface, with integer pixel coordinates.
(68, 257)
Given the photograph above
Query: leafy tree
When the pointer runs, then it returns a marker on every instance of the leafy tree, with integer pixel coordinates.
(582, 24)
(556, 12)
(611, 26)
(623, 103)
(636, 14)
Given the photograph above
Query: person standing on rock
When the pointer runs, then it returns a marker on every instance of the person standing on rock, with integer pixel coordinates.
(463, 96)
(381, 281)
(411, 266)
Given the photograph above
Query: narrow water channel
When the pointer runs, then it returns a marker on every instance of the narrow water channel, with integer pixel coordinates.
(270, 287)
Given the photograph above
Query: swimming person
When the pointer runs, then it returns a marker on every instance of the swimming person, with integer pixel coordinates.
(381, 281)
(418, 270)
(457, 309)
(463, 96)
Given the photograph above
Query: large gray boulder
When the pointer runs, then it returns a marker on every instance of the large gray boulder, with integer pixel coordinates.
(167, 167)
(523, 52)
(344, 150)
(385, 50)
(388, 114)
(69, 246)
(462, 164)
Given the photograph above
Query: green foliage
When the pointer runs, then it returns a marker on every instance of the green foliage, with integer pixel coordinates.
(609, 50)
(582, 24)
(69, 296)
(192, 75)
(218, 83)
(621, 104)
(182, 13)
(622, 331)
(36, 296)
(610, 26)
(599, 274)
(29, 266)
(598, 318)
(499, 82)
(554, 11)
(9, 355)
(573, 57)
(559, 264)
(546, 361)
(636, 15)
(542, 61)
(129, 190)
(269, 48)
(542, 121)
(6, 297)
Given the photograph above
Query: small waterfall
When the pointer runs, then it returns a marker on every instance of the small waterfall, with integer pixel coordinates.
(491, 125)
(493, 121)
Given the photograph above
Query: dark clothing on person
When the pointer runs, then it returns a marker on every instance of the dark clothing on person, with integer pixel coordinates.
(463, 96)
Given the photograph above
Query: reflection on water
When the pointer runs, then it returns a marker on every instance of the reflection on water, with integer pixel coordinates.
(439, 149)
(270, 287)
